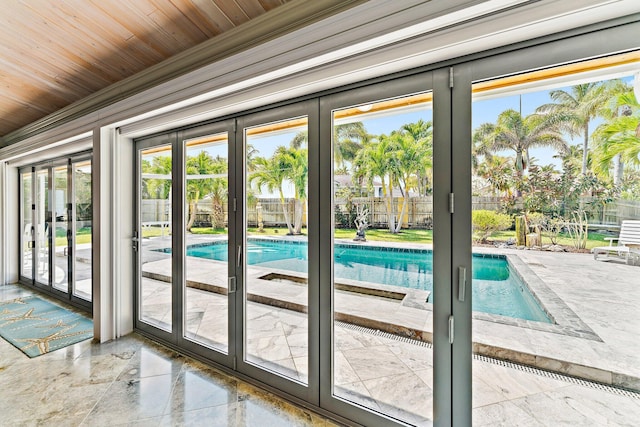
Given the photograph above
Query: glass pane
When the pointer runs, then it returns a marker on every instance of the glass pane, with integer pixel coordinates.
(276, 295)
(382, 249)
(60, 222)
(27, 225)
(155, 243)
(206, 238)
(43, 230)
(555, 177)
(83, 226)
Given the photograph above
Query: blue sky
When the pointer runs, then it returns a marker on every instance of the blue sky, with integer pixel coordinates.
(484, 111)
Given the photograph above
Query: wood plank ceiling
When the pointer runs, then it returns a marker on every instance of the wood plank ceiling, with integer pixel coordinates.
(56, 52)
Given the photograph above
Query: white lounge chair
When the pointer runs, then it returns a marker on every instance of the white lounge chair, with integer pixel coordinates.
(628, 246)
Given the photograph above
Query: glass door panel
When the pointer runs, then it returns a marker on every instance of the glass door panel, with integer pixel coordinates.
(56, 217)
(43, 228)
(382, 256)
(155, 248)
(60, 229)
(206, 313)
(83, 217)
(553, 180)
(276, 248)
(27, 224)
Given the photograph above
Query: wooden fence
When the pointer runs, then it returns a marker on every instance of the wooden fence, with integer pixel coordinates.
(419, 212)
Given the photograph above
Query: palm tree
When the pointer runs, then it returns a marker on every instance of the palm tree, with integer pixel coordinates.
(520, 134)
(347, 141)
(615, 107)
(421, 133)
(271, 173)
(575, 109)
(219, 191)
(373, 161)
(202, 164)
(157, 187)
(620, 136)
(498, 172)
(296, 170)
(400, 160)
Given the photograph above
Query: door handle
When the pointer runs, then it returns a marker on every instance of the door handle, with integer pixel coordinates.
(239, 258)
(462, 283)
(135, 241)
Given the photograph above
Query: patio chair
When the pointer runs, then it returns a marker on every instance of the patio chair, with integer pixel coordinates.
(628, 246)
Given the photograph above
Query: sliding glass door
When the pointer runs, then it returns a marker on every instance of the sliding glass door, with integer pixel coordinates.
(153, 239)
(555, 152)
(304, 247)
(384, 267)
(60, 219)
(56, 227)
(184, 292)
(27, 225)
(82, 223)
(208, 293)
(277, 239)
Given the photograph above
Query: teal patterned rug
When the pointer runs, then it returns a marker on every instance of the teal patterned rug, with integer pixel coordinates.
(36, 326)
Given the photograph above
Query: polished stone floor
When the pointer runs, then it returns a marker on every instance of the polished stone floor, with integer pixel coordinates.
(132, 381)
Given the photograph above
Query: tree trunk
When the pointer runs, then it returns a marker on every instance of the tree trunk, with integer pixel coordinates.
(217, 213)
(286, 213)
(192, 214)
(388, 195)
(585, 149)
(405, 201)
(297, 227)
(618, 170)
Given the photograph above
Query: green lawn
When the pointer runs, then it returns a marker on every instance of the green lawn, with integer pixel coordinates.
(407, 235)
(83, 235)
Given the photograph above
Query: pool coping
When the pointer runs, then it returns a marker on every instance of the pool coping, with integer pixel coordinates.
(567, 322)
(564, 320)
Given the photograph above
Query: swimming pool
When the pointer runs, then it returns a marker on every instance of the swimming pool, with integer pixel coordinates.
(496, 288)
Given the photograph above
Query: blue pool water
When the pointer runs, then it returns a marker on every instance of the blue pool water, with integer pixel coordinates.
(496, 289)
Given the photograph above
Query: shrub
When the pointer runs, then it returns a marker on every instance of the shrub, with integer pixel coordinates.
(486, 222)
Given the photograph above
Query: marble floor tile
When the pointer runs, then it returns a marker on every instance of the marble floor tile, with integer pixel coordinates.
(503, 414)
(375, 362)
(135, 382)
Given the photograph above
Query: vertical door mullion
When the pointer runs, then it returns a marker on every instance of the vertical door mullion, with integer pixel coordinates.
(52, 225)
(236, 236)
(461, 240)
(178, 183)
(236, 154)
(69, 207)
(442, 249)
(313, 254)
(34, 228)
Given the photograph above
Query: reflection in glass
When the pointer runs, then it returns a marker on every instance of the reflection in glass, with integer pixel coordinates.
(155, 242)
(82, 206)
(383, 188)
(60, 220)
(276, 295)
(43, 230)
(206, 206)
(27, 226)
